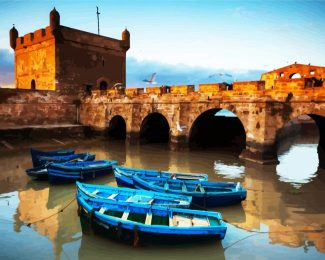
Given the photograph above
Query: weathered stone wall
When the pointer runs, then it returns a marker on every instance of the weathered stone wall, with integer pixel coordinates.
(26, 107)
(35, 60)
(285, 73)
(262, 112)
(87, 59)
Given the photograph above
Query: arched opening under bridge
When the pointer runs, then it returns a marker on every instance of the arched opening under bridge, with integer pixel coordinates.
(217, 128)
(117, 128)
(155, 129)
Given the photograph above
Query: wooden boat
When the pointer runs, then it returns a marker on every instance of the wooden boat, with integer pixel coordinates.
(36, 153)
(204, 193)
(124, 175)
(41, 173)
(43, 160)
(73, 171)
(146, 223)
(132, 196)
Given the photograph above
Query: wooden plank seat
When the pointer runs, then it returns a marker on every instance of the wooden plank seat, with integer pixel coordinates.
(148, 218)
(112, 196)
(184, 221)
(201, 222)
(102, 210)
(125, 215)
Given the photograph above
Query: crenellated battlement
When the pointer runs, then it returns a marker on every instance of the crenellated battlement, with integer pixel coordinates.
(281, 89)
(35, 37)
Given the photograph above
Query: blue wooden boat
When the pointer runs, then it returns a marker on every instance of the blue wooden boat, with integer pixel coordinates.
(73, 171)
(132, 196)
(124, 175)
(146, 223)
(43, 160)
(36, 153)
(41, 173)
(204, 193)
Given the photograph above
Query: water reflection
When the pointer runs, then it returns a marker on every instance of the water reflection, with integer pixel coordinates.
(298, 159)
(298, 165)
(229, 171)
(294, 219)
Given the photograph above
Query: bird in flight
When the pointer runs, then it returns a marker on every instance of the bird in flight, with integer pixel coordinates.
(151, 80)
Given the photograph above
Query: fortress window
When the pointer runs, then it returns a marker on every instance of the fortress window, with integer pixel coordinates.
(103, 87)
(312, 72)
(103, 62)
(33, 84)
(281, 74)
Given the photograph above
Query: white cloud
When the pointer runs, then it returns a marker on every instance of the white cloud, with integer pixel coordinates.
(167, 74)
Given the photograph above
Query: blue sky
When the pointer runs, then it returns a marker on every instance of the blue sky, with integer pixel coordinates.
(231, 35)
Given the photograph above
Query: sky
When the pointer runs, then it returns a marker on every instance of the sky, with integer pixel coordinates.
(233, 36)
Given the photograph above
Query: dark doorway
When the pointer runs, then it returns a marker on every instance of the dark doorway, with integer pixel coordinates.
(117, 128)
(33, 84)
(88, 89)
(155, 129)
(217, 128)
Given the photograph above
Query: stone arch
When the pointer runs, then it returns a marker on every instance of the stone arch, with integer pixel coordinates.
(116, 128)
(197, 111)
(292, 125)
(155, 128)
(212, 129)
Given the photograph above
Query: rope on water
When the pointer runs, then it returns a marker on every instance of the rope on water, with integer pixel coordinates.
(56, 213)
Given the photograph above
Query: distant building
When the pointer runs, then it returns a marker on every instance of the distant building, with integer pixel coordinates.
(294, 71)
(68, 60)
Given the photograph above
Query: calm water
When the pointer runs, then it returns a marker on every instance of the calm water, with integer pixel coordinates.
(284, 202)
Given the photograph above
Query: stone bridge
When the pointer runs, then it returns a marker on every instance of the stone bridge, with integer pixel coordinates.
(184, 116)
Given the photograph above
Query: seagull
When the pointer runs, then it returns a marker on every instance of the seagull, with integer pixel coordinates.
(118, 85)
(179, 127)
(151, 80)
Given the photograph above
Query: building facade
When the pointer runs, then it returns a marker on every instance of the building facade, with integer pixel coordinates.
(68, 60)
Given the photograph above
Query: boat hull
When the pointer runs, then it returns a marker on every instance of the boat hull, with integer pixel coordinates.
(206, 199)
(61, 173)
(126, 195)
(118, 228)
(44, 160)
(36, 153)
(128, 236)
(123, 176)
(124, 181)
(38, 173)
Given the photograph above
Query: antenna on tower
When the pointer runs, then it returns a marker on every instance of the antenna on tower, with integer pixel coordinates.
(98, 13)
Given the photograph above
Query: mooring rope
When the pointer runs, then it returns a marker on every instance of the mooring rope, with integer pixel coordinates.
(258, 231)
(56, 213)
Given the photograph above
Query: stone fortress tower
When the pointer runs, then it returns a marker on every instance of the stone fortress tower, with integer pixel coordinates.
(68, 60)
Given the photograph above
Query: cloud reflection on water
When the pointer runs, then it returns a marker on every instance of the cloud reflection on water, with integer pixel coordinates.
(298, 165)
(229, 171)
